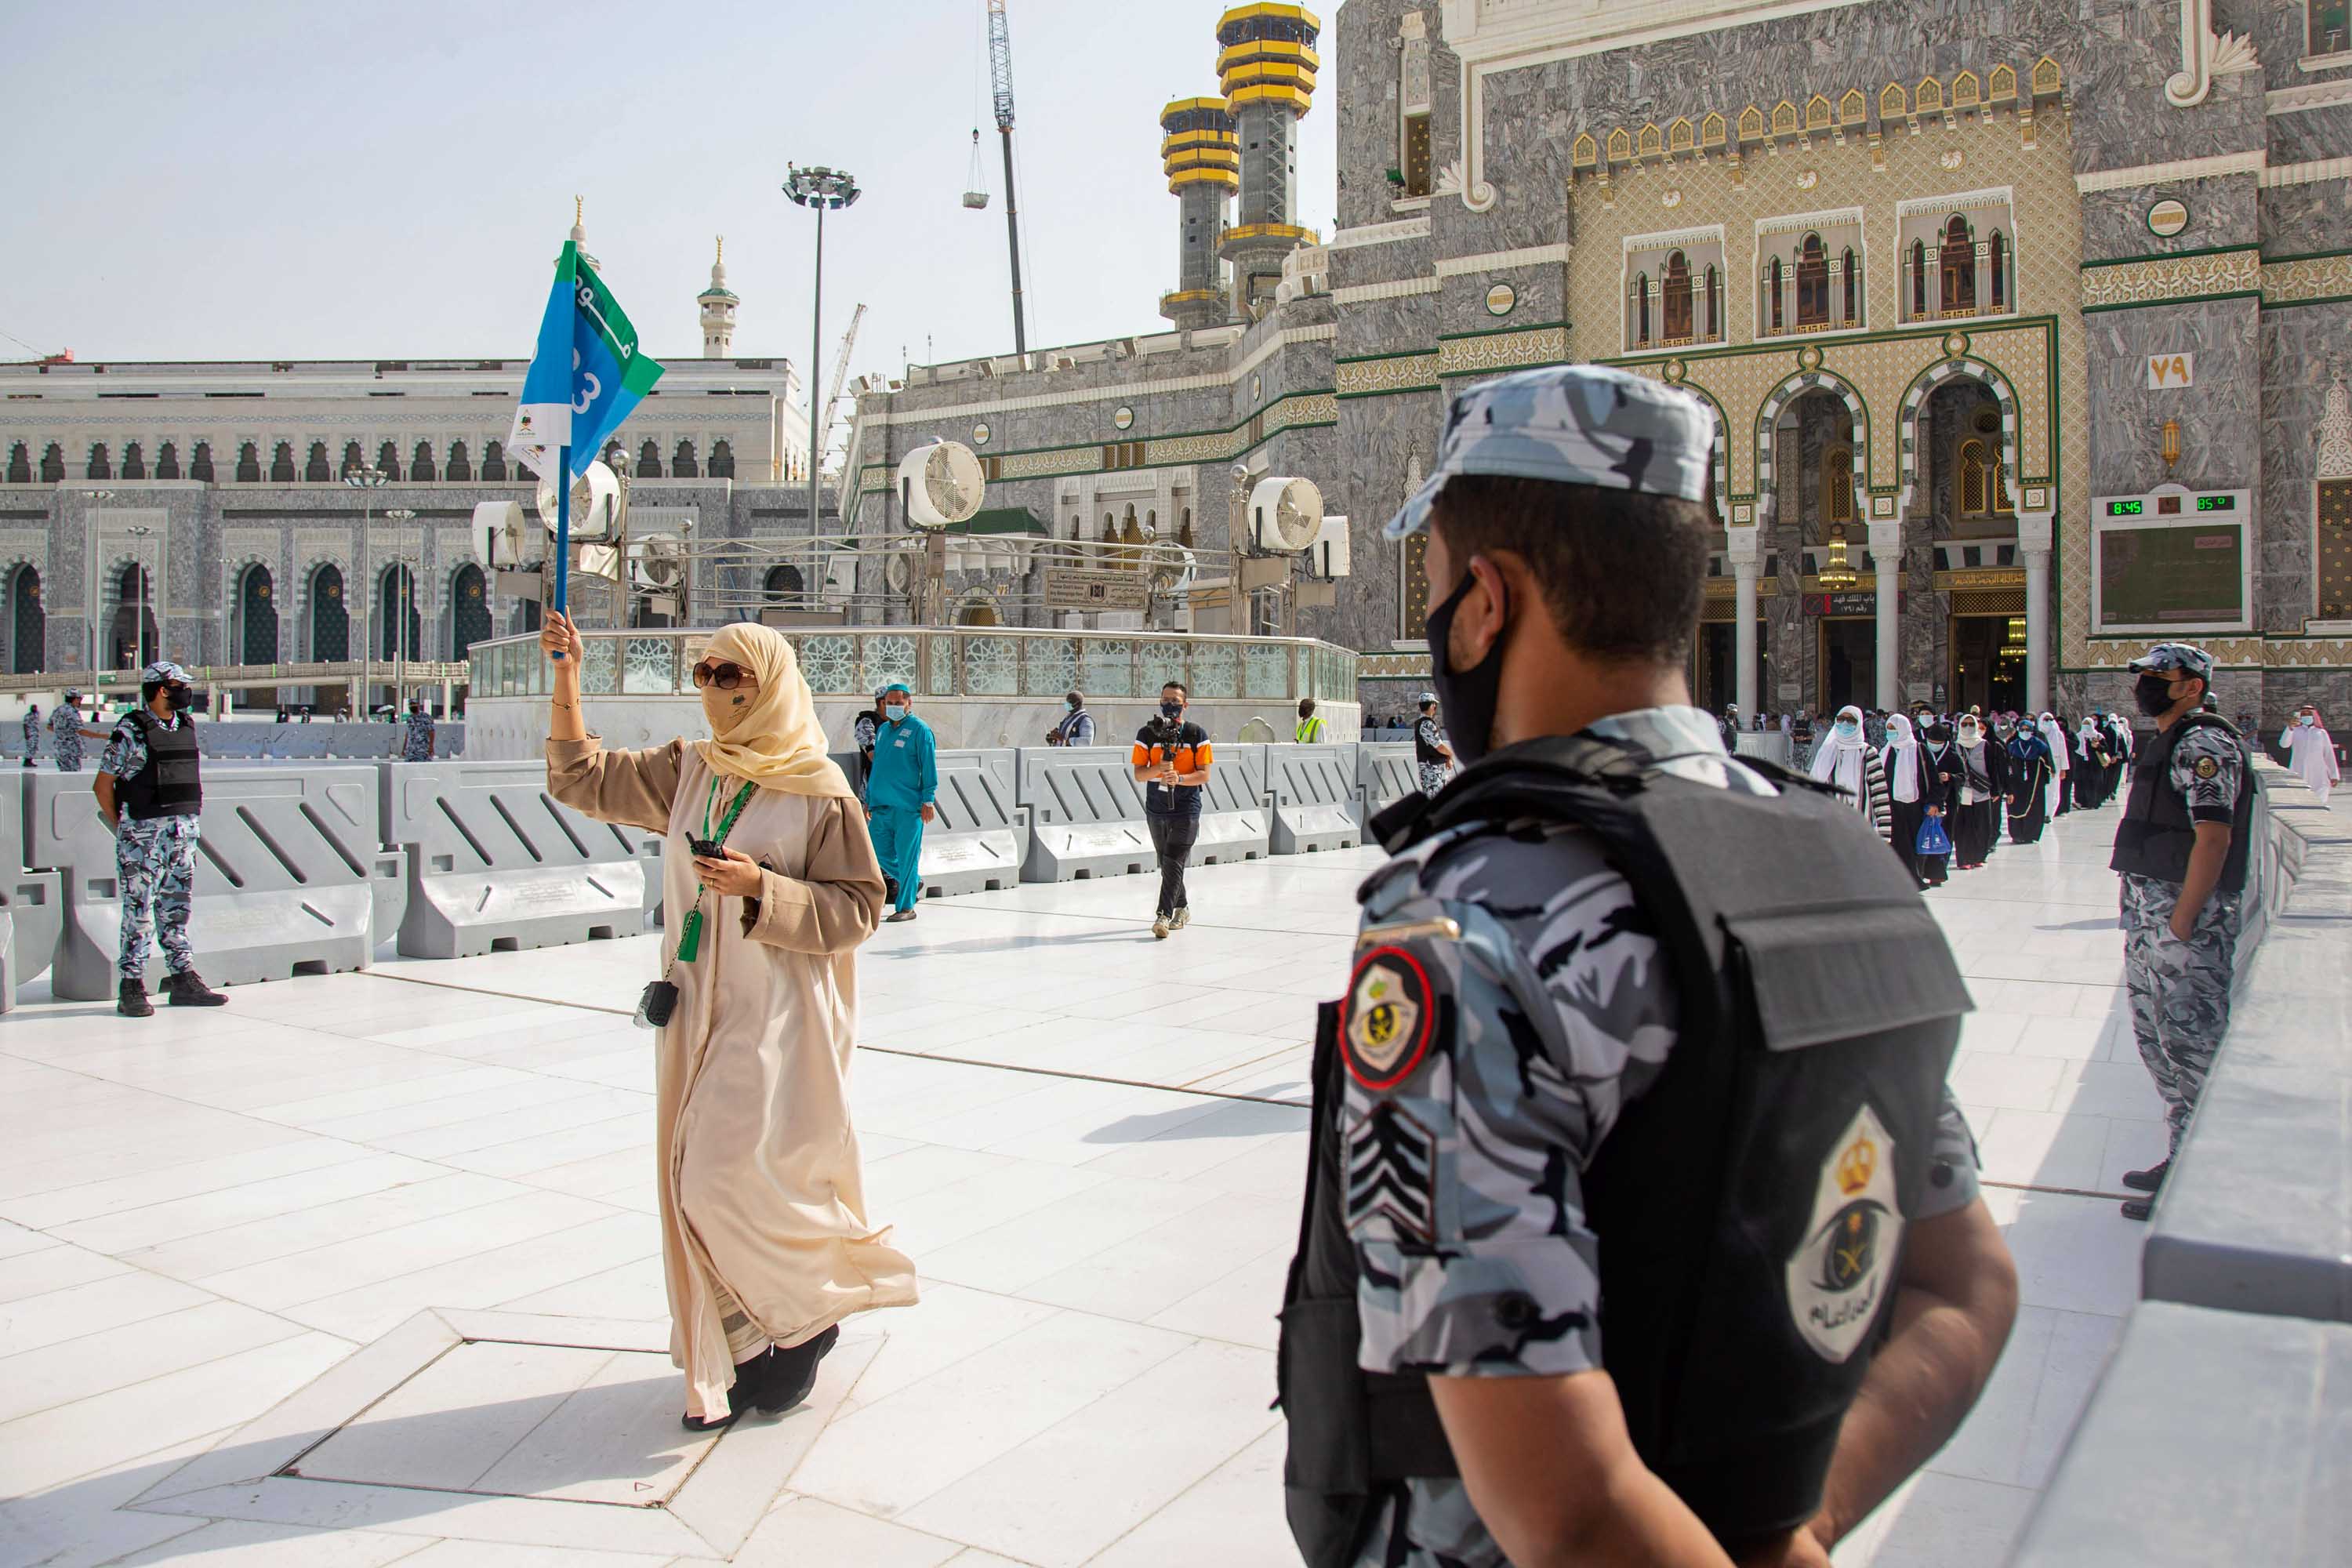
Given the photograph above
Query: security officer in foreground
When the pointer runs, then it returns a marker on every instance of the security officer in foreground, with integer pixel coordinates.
(1640, 1227)
(150, 774)
(2182, 848)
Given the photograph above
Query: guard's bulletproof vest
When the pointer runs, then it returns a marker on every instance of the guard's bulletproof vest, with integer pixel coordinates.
(2156, 834)
(168, 785)
(1749, 1205)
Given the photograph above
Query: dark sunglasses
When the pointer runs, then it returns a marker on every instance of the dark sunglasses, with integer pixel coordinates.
(724, 676)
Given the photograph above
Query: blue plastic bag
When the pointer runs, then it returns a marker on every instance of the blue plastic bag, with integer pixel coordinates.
(1933, 840)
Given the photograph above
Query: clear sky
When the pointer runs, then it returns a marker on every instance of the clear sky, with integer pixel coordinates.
(256, 179)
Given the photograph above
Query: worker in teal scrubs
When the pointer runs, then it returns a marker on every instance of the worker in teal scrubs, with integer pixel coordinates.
(899, 796)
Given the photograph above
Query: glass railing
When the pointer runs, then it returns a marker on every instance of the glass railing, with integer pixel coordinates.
(1007, 662)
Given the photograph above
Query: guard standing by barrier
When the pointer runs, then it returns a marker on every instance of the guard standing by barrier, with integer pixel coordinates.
(1310, 727)
(151, 772)
(416, 743)
(1430, 751)
(904, 782)
(65, 733)
(1631, 1219)
(32, 732)
(1171, 761)
(2183, 847)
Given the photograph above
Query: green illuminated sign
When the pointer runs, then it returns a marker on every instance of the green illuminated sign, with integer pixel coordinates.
(2124, 508)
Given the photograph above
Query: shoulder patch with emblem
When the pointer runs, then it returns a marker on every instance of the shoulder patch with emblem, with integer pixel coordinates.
(1839, 1275)
(2207, 767)
(1391, 1012)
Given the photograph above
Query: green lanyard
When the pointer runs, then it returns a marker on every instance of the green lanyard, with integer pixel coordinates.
(690, 935)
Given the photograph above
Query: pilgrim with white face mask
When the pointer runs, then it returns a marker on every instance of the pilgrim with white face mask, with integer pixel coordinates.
(2311, 753)
(1976, 765)
(1922, 792)
(1844, 759)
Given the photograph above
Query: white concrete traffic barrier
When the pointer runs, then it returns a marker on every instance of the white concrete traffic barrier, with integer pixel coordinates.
(1315, 798)
(981, 837)
(1085, 814)
(495, 865)
(31, 902)
(1385, 774)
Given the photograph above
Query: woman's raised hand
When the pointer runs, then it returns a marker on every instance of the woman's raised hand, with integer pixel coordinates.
(559, 639)
(730, 873)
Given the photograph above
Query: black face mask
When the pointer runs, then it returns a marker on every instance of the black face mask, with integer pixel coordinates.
(2153, 692)
(1467, 697)
(178, 698)
(1171, 711)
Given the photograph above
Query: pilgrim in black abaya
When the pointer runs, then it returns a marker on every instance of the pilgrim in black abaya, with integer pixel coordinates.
(2030, 775)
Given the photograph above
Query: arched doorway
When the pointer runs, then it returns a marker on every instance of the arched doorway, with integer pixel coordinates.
(29, 624)
(331, 624)
(131, 642)
(256, 617)
(470, 610)
(978, 612)
(396, 613)
(783, 585)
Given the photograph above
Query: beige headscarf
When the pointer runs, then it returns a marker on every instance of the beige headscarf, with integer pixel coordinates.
(775, 742)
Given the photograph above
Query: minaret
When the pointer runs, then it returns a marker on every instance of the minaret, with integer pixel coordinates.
(1266, 64)
(1203, 161)
(580, 236)
(717, 309)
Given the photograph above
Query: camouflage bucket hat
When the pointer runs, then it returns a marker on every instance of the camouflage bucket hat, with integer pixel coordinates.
(1572, 425)
(2186, 658)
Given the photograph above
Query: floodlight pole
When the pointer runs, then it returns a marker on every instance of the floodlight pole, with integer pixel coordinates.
(819, 187)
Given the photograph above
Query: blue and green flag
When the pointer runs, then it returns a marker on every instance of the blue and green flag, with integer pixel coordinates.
(585, 375)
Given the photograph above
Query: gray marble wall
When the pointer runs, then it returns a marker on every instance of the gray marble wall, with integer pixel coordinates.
(2304, 349)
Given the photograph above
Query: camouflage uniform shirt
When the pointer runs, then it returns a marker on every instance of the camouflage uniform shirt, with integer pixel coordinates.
(65, 737)
(1465, 1152)
(416, 741)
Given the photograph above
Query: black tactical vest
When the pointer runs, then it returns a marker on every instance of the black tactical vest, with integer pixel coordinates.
(2156, 834)
(168, 785)
(1817, 994)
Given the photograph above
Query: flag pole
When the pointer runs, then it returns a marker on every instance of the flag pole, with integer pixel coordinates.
(562, 527)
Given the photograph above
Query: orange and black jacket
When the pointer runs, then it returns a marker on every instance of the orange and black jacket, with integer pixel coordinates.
(1185, 744)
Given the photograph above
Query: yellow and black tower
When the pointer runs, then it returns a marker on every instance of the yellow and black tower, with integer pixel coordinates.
(1203, 157)
(1266, 64)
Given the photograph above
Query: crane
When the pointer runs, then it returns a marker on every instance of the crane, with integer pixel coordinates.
(1000, 71)
(819, 439)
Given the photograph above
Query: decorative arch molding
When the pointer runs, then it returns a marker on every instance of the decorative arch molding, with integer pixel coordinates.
(1944, 373)
(298, 589)
(1769, 416)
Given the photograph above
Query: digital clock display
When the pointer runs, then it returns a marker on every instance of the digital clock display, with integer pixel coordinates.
(2126, 507)
(2217, 503)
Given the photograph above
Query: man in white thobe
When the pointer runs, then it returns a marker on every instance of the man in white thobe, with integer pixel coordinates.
(2311, 753)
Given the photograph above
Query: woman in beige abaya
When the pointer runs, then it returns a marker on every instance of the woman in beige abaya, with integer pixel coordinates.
(765, 1242)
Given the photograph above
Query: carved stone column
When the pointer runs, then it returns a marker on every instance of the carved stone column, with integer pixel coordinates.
(2034, 535)
(1887, 556)
(1746, 550)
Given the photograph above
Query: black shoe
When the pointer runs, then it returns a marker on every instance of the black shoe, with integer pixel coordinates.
(2138, 1208)
(2150, 1180)
(189, 990)
(696, 1424)
(790, 1373)
(130, 999)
